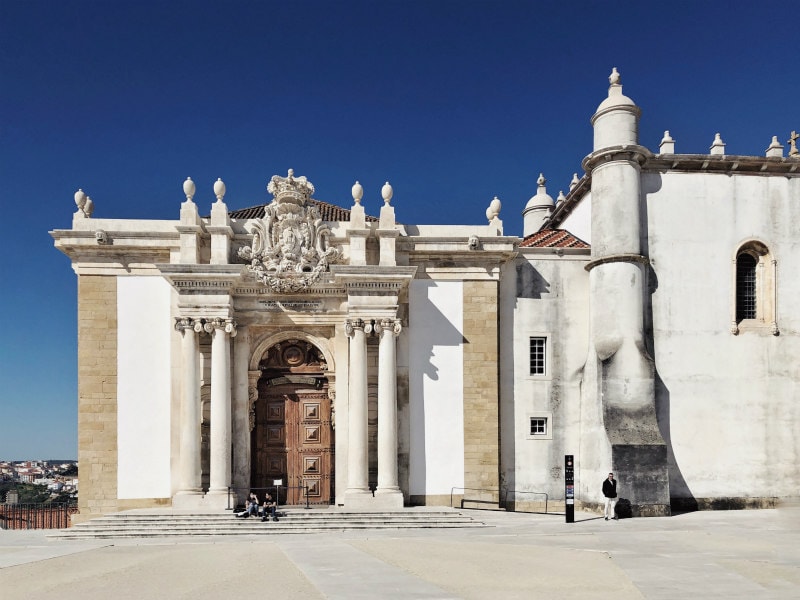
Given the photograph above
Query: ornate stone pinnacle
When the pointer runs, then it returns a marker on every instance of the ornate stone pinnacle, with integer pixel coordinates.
(541, 181)
(290, 247)
(793, 151)
(290, 189)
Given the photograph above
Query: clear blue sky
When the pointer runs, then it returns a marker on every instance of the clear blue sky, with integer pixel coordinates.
(452, 102)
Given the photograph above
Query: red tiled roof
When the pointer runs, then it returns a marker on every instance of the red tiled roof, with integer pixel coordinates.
(328, 212)
(553, 238)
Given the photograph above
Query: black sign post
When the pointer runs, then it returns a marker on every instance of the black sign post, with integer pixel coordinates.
(569, 487)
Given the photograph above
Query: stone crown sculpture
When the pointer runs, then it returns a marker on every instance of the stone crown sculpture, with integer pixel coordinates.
(290, 248)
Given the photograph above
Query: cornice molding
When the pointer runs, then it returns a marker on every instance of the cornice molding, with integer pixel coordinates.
(614, 258)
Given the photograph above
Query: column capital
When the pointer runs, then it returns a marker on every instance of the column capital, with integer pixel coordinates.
(183, 324)
(218, 324)
(352, 325)
(389, 326)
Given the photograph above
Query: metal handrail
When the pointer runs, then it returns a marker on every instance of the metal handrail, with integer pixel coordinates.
(505, 494)
(452, 489)
(546, 497)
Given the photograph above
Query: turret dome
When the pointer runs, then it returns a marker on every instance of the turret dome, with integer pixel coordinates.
(538, 209)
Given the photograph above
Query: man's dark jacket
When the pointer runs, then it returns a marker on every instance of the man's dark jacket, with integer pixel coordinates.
(610, 488)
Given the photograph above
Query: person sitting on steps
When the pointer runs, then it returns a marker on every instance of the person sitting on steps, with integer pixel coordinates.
(270, 508)
(250, 507)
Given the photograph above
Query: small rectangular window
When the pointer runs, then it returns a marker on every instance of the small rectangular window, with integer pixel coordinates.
(539, 426)
(538, 354)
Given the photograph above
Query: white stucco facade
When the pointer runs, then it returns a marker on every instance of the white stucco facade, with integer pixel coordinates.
(436, 387)
(144, 389)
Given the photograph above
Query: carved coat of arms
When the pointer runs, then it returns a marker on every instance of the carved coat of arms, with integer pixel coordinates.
(290, 248)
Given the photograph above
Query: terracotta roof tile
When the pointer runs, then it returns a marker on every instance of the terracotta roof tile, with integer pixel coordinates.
(553, 238)
(328, 212)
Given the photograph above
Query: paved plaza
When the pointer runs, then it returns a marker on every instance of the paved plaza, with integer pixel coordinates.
(734, 554)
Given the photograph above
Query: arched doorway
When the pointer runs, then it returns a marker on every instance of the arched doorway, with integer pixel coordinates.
(293, 436)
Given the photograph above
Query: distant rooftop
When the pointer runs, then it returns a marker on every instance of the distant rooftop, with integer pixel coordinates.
(553, 238)
(328, 212)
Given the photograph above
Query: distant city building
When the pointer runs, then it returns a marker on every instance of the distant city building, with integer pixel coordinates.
(647, 321)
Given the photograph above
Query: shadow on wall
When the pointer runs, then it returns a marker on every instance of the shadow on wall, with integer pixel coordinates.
(530, 283)
(429, 328)
(681, 498)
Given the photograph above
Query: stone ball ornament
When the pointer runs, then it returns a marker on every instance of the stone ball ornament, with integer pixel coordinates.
(494, 209)
(219, 189)
(358, 192)
(80, 199)
(387, 192)
(189, 188)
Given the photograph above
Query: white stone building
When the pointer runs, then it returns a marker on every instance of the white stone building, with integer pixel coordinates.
(648, 323)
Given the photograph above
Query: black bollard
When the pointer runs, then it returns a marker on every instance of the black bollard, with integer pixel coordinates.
(569, 488)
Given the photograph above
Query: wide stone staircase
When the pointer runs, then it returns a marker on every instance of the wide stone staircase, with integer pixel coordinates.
(176, 523)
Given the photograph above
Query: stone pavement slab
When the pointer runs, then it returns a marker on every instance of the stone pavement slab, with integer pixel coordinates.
(341, 571)
(730, 555)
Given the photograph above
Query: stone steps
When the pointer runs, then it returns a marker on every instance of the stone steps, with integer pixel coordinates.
(133, 524)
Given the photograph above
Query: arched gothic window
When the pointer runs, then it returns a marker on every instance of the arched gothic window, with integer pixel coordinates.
(746, 292)
(755, 276)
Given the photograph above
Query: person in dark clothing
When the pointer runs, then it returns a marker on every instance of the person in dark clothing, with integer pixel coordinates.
(610, 492)
(270, 509)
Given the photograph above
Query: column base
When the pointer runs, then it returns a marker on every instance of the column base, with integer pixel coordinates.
(382, 500)
(389, 498)
(219, 500)
(187, 499)
(212, 500)
(358, 499)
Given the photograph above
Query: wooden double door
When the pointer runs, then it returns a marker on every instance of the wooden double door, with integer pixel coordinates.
(293, 440)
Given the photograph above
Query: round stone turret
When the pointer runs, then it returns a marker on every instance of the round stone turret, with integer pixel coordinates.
(537, 210)
(616, 121)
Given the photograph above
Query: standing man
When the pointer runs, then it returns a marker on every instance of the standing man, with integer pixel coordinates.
(610, 492)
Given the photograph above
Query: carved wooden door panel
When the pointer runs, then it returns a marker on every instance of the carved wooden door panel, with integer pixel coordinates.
(293, 441)
(312, 457)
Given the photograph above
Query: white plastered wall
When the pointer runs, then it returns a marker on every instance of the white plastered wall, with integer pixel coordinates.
(729, 404)
(550, 300)
(436, 387)
(579, 221)
(143, 387)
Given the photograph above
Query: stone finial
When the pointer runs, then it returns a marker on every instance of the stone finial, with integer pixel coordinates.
(614, 78)
(793, 151)
(387, 192)
(541, 180)
(88, 208)
(667, 145)
(189, 189)
(494, 209)
(358, 192)
(561, 197)
(575, 181)
(219, 189)
(80, 199)
(717, 146)
(775, 148)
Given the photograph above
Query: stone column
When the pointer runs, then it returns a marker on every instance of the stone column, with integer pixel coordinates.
(388, 491)
(189, 475)
(240, 403)
(357, 448)
(220, 464)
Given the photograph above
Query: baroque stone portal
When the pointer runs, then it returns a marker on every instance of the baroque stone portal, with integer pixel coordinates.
(290, 248)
